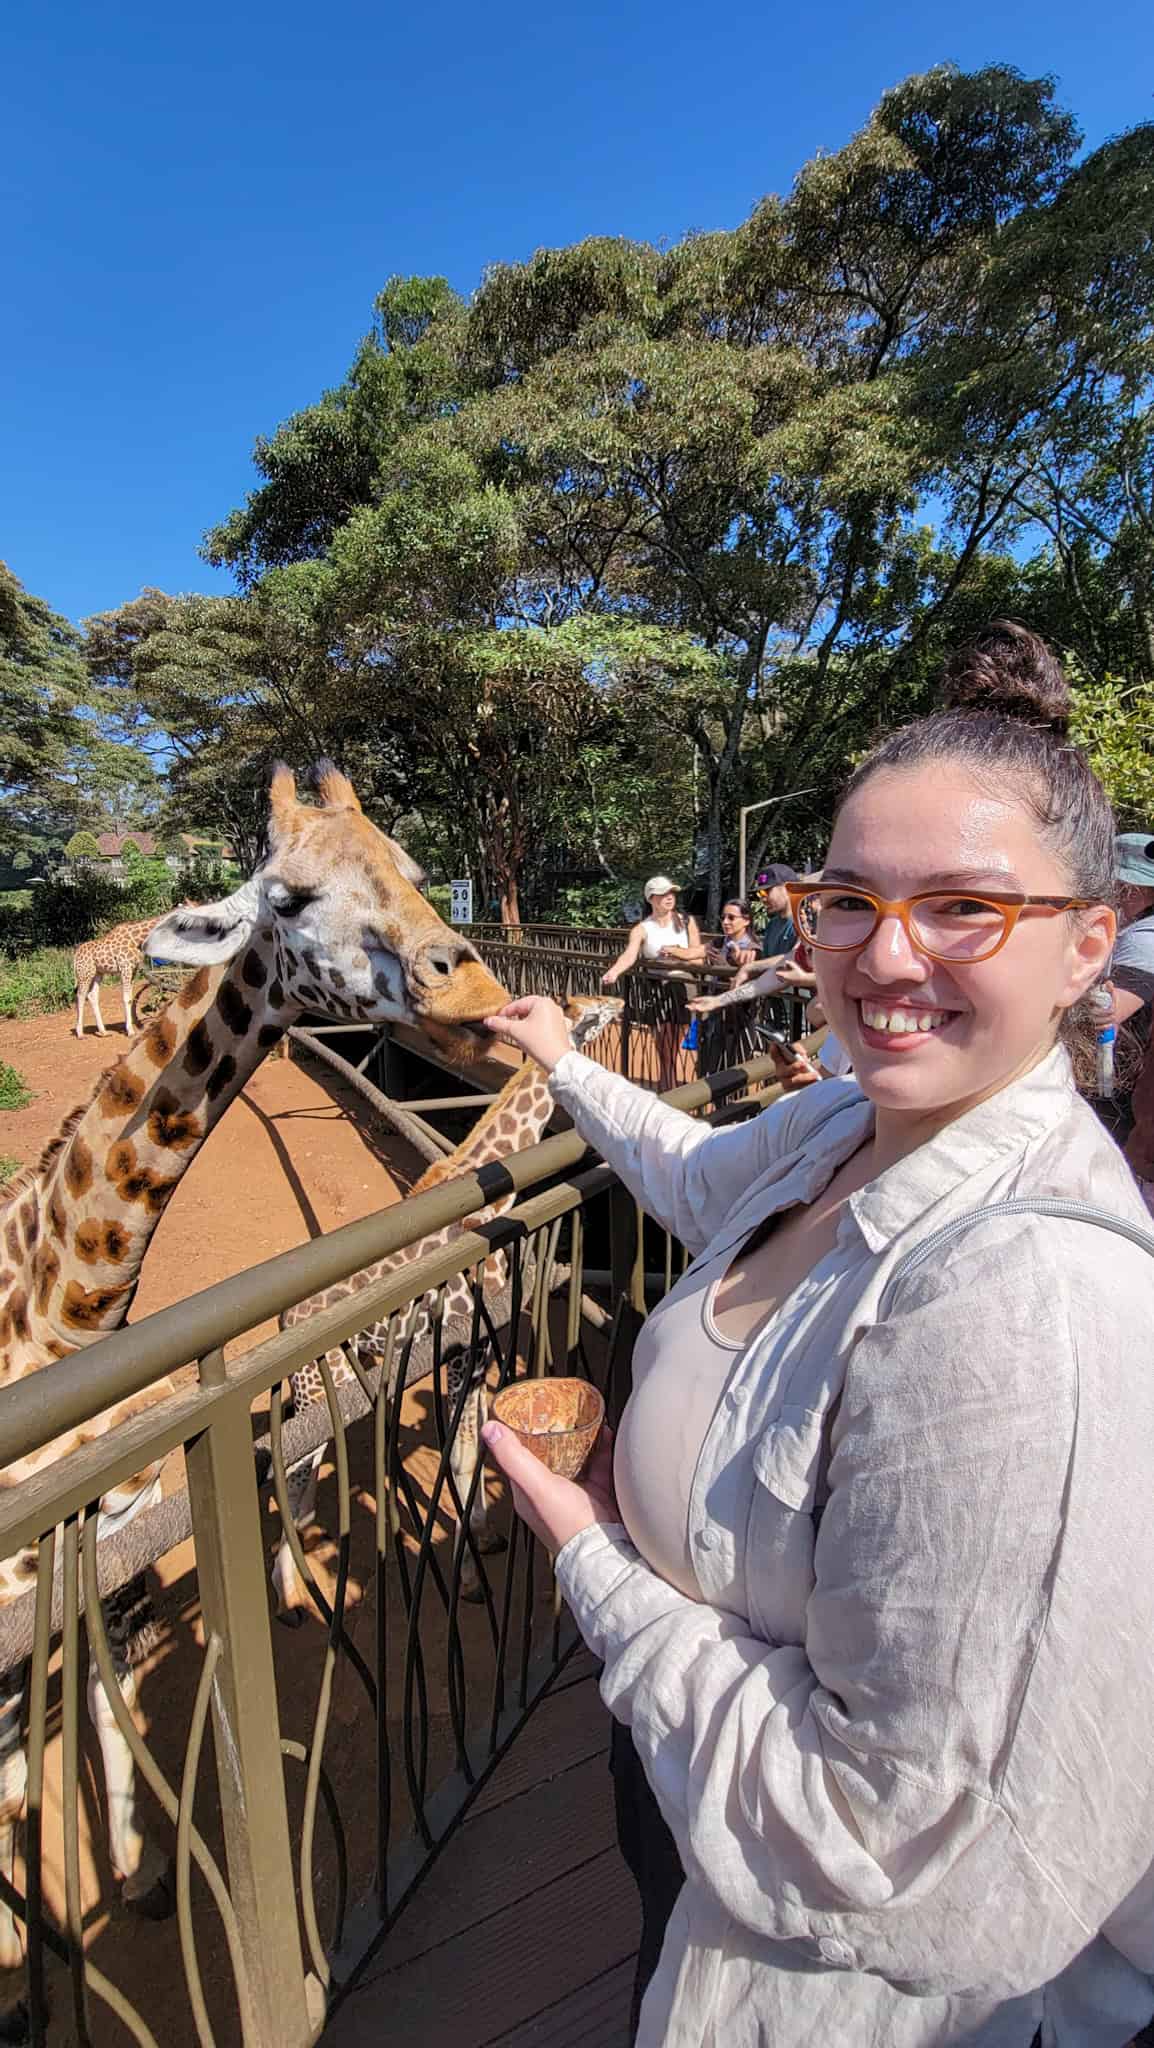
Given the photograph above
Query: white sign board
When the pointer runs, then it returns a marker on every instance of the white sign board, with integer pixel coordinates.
(461, 902)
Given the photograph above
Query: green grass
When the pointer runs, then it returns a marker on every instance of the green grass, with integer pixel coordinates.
(14, 1090)
(9, 1165)
(31, 984)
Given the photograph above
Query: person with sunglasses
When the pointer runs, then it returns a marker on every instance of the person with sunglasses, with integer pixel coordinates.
(870, 1563)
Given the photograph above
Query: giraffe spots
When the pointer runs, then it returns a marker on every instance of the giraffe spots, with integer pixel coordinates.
(24, 1566)
(194, 991)
(17, 1314)
(222, 1074)
(171, 1128)
(160, 1040)
(233, 1009)
(30, 1222)
(87, 1308)
(78, 1167)
(253, 971)
(336, 979)
(53, 1348)
(312, 962)
(12, 1240)
(276, 993)
(199, 1052)
(121, 1093)
(268, 1035)
(136, 1183)
(45, 1274)
(57, 1213)
(97, 1239)
(121, 1159)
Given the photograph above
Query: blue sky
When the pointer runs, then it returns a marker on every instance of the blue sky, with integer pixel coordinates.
(201, 203)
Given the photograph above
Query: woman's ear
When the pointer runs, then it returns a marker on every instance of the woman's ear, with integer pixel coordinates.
(1092, 942)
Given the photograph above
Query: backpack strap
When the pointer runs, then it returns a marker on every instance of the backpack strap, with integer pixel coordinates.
(1073, 1212)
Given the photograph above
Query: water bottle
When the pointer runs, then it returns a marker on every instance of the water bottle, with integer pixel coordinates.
(1102, 1003)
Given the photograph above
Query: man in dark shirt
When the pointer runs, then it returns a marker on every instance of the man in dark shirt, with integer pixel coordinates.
(778, 936)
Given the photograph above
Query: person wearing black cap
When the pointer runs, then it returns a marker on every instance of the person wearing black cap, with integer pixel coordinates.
(779, 936)
(1132, 973)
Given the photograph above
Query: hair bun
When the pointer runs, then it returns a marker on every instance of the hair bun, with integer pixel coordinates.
(1007, 670)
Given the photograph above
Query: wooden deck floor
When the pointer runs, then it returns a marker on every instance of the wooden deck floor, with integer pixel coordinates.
(523, 1936)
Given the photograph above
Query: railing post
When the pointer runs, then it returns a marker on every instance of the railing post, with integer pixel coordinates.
(234, 1600)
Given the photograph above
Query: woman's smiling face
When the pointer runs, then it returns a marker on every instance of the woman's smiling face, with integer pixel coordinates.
(976, 1026)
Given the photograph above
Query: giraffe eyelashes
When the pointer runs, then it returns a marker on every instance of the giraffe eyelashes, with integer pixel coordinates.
(290, 902)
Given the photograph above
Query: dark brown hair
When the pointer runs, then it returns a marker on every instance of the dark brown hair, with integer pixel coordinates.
(1005, 717)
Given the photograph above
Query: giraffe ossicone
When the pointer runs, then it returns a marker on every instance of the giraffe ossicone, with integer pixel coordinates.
(516, 1120)
(334, 922)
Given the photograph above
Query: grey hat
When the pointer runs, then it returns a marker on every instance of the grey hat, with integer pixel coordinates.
(1134, 859)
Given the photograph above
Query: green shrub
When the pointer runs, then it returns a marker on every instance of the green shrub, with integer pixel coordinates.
(83, 846)
(33, 984)
(9, 1166)
(14, 1090)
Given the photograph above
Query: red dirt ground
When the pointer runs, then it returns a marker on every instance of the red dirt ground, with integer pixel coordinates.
(283, 1164)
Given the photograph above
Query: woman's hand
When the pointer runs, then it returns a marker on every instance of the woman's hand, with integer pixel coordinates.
(609, 978)
(536, 1026)
(795, 1069)
(702, 1005)
(554, 1508)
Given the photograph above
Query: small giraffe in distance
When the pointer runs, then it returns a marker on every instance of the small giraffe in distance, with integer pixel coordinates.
(114, 952)
(516, 1119)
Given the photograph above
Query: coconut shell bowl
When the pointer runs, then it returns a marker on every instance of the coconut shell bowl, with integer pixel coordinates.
(558, 1420)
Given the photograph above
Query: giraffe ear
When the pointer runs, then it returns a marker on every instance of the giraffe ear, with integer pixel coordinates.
(404, 863)
(206, 934)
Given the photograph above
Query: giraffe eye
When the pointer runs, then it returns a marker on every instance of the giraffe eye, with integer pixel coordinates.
(290, 902)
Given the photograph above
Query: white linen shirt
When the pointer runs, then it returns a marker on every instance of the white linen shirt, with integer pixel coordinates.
(919, 1807)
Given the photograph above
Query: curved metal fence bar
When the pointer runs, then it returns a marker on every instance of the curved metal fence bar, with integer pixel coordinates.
(439, 1624)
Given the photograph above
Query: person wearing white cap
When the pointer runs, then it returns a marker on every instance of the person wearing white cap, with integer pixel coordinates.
(665, 939)
(665, 935)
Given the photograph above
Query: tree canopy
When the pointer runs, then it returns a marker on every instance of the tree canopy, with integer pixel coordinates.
(566, 572)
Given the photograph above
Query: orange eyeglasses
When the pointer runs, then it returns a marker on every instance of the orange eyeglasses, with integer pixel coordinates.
(948, 924)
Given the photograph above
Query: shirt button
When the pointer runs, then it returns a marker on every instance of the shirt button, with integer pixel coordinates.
(832, 1950)
(706, 1539)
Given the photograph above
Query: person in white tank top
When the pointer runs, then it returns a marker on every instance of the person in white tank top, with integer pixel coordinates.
(663, 939)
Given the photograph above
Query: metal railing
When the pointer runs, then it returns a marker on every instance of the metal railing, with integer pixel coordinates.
(346, 1754)
(606, 940)
(650, 1044)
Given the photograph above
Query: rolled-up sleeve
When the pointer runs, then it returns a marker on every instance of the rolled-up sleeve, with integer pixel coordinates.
(847, 1793)
(684, 1174)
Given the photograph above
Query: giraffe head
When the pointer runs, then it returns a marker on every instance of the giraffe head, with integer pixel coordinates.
(588, 1016)
(341, 908)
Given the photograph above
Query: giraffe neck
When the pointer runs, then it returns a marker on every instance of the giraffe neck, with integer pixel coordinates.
(74, 1232)
(516, 1119)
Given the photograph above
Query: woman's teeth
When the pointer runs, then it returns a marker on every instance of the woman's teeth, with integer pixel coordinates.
(897, 1021)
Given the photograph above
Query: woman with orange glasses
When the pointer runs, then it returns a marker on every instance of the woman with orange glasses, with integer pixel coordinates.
(871, 1562)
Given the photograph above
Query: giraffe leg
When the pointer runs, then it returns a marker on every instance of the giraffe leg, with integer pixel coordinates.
(293, 1605)
(463, 1458)
(138, 1861)
(129, 1015)
(94, 1000)
(13, 1785)
(82, 988)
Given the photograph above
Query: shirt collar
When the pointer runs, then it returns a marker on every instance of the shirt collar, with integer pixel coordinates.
(999, 1128)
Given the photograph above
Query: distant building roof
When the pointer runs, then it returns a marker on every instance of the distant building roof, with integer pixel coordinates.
(112, 844)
